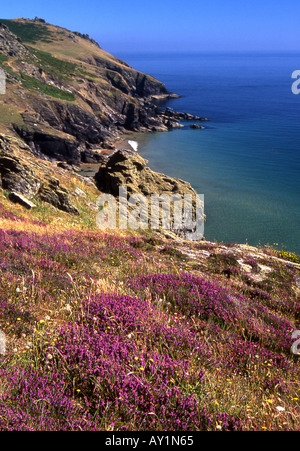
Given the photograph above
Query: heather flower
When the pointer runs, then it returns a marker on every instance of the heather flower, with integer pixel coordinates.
(143, 361)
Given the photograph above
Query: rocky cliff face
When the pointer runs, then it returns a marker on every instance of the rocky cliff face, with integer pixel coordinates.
(26, 179)
(68, 97)
(66, 102)
(11, 45)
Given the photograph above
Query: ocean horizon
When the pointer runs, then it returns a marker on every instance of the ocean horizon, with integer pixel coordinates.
(247, 160)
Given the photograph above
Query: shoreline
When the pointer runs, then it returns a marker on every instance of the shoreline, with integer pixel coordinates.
(121, 143)
(127, 141)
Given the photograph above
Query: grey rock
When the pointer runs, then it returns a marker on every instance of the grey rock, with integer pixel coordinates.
(79, 192)
(197, 126)
(93, 206)
(22, 200)
(58, 196)
(128, 169)
(11, 45)
(15, 174)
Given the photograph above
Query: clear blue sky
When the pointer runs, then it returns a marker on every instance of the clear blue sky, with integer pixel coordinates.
(120, 25)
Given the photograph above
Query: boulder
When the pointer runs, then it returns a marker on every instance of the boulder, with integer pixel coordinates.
(197, 126)
(22, 200)
(2, 343)
(79, 192)
(128, 169)
(54, 194)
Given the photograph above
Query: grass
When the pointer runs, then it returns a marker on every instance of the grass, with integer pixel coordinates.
(32, 83)
(9, 114)
(54, 66)
(61, 69)
(28, 32)
(116, 331)
(3, 58)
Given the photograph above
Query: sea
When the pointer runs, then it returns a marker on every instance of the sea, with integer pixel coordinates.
(246, 162)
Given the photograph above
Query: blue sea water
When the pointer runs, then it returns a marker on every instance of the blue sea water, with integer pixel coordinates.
(247, 161)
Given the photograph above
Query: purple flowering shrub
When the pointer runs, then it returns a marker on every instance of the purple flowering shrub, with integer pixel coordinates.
(7, 214)
(23, 320)
(201, 298)
(107, 369)
(117, 368)
(153, 352)
(33, 401)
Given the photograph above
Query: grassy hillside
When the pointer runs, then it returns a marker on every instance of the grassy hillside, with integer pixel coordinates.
(137, 332)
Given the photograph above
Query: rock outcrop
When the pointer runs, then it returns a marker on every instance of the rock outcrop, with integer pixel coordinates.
(197, 127)
(56, 195)
(129, 170)
(22, 200)
(26, 179)
(16, 173)
(11, 45)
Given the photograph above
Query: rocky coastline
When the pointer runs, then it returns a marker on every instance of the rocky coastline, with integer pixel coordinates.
(76, 115)
(74, 110)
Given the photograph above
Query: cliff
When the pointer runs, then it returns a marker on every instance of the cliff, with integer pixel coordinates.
(67, 98)
(66, 102)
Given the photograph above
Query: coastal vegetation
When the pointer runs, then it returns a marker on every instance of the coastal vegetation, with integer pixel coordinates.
(122, 330)
(108, 331)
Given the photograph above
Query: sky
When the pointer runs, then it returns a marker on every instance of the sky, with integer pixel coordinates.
(172, 25)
